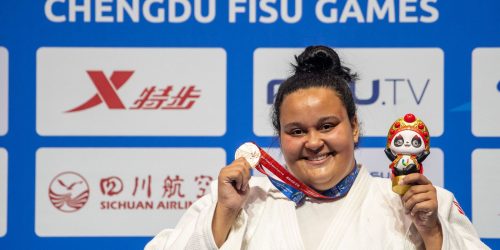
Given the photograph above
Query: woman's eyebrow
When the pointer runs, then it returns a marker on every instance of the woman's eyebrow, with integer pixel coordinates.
(292, 124)
(329, 118)
(321, 120)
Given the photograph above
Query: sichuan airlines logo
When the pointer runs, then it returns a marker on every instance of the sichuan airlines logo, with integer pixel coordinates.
(151, 98)
(111, 186)
(69, 192)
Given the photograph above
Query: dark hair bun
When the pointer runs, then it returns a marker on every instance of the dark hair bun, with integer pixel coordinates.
(321, 59)
(317, 59)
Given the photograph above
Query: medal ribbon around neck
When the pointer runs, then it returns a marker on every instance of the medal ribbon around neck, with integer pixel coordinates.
(288, 184)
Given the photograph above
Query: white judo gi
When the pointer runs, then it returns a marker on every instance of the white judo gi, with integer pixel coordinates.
(371, 216)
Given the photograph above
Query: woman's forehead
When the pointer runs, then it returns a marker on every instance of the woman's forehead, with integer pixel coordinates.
(312, 106)
(312, 97)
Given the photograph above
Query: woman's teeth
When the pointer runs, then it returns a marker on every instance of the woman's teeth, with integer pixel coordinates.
(318, 158)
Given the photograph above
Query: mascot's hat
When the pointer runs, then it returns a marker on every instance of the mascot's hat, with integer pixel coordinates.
(409, 122)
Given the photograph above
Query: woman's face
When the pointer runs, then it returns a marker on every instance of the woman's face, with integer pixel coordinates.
(317, 138)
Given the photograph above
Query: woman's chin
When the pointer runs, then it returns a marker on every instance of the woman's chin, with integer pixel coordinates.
(322, 183)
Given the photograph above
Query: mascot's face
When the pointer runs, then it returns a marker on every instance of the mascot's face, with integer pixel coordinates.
(407, 142)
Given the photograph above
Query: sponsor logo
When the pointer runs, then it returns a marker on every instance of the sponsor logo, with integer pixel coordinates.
(153, 97)
(3, 192)
(107, 90)
(273, 85)
(4, 90)
(111, 186)
(485, 92)
(148, 188)
(131, 91)
(69, 192)
(145, 194)
(485, 179)
(272, 89)
(396, 96)
(399, 81)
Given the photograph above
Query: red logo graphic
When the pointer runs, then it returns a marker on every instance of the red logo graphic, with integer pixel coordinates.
(172, 187)
(203, 182)
(69, 191)
(106, 90)
(111, 186)
(151, 97)
(145, 185)
(460, 210)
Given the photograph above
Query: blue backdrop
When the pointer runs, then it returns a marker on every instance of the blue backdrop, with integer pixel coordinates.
(458, 28)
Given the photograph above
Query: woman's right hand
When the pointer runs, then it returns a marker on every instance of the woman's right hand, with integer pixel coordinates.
(233, 192)
(233, 184)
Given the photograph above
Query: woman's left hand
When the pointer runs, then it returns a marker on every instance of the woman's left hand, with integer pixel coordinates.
(420, 202)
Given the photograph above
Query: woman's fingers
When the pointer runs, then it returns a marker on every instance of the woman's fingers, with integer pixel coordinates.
(421, 191)
(424, 210)
(415, 199)
(237, 173)
(421, 201)
(416, 179)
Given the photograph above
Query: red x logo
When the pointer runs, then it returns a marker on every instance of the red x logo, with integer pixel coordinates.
(106, 90)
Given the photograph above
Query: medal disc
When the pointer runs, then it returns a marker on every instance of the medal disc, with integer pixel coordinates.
(250, 152)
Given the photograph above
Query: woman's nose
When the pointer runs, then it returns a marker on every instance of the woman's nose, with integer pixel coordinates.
(314, 141)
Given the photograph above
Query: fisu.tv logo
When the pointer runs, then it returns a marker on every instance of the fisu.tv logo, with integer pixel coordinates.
(152, 97)
(414, 89)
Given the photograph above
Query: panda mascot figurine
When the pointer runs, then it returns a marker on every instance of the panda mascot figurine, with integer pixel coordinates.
(407, 146)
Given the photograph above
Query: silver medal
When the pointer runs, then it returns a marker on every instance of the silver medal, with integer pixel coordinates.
(250, 152)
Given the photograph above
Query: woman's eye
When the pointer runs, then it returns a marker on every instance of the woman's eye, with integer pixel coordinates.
(327, 126)
(416, 142)
(296, 132)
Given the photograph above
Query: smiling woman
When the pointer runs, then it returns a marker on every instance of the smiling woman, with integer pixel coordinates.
(318, 148)
(315, 118)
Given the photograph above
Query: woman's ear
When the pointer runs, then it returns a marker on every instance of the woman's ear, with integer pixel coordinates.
(355, 130)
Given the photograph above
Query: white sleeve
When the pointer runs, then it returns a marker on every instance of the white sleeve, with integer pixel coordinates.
(458, 231)
(194, 230)
(188, 225)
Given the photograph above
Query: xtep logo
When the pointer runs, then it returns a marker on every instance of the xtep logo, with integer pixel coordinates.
(152, 97)
(106, 90)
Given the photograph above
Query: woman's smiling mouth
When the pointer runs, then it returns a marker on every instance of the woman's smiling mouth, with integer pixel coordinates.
(318, 159)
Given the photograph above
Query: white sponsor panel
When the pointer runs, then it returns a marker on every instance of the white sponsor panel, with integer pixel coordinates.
(3, 192)
(392, 82)
(119, 191)
(485, 92)
(375, 160)
(131, 91)
(4, 90)
(269, 67)
(485, 192)
(377, 163)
